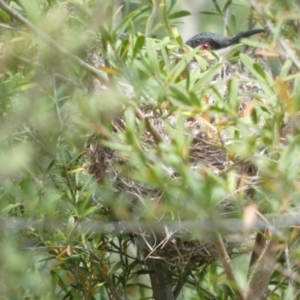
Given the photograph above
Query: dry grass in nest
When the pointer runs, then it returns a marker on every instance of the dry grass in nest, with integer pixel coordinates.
(208, 148)
(173, 248)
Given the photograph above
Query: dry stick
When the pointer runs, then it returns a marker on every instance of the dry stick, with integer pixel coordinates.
(156, 136)
(225, 259)
(259, 279)
(51, 42)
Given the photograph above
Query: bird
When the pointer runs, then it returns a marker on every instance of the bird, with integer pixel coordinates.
(215, 41)
(218, 43)
(209, 42)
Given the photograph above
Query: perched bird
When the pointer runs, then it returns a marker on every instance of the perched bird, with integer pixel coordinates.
(264, 247)
(215, 41)
(218, 43)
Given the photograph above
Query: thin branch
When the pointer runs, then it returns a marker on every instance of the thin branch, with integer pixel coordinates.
(152, 17)
(207, 228)
(183, 278)
(55, 100)
(158, 138)
(260, 277)
(51, 42)
(289, 275)
(225, 259)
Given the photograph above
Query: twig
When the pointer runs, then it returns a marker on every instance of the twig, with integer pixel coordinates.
(155, 134)
(225, 259)
(285, 277)
(51, 42)
(152, 17)
(259, 279)
(55, 100)
(181, 281)
(4, 26)
(207, 228)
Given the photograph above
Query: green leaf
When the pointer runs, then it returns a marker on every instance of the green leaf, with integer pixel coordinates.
(126, 20)
(207, 76)
(180, 96)
(172, 4)
(218, 8)
(179, 40)
(233, 23)
(180, 66)
(138, 45)
(152, 56)
(285, 70)
(260, 70)
(76, 258)
(142, 285)
(116, 267)
(208, 13)
(4, 16)
(233, 87)
(250, 65)
(226, 5)
(179, 14)
(9, 207)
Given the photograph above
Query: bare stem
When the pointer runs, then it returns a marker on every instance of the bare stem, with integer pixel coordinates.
(150, 23)
(225, 259)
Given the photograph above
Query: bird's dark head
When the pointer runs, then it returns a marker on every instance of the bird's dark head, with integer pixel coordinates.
(215, 41)
(208, 41)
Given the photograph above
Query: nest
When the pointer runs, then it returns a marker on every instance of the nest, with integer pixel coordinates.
(208, 148)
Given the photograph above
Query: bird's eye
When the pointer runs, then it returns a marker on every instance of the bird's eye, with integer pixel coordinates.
(205, 46)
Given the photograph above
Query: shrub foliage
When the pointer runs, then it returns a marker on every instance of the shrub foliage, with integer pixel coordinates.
(125, 175)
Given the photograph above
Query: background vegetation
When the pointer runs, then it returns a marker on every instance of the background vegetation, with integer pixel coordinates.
(85, 87)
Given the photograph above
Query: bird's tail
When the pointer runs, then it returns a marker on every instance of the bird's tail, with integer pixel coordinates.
(234, 40)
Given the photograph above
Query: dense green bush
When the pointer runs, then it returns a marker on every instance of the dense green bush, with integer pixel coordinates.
(114, 158)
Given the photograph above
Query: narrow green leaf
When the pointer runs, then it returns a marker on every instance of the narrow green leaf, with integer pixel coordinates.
(285, 70)
(126, 20)
(180, 96)
(152, 55)
(233, 22)
(179, 40)
(260, 70)
(249, 64)
(138, 45)
(179, 14)
(233, 86)
(218, 8)
(212, 13)
(226, 5)
(172, 4)
(207, 76)
(116, 267)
